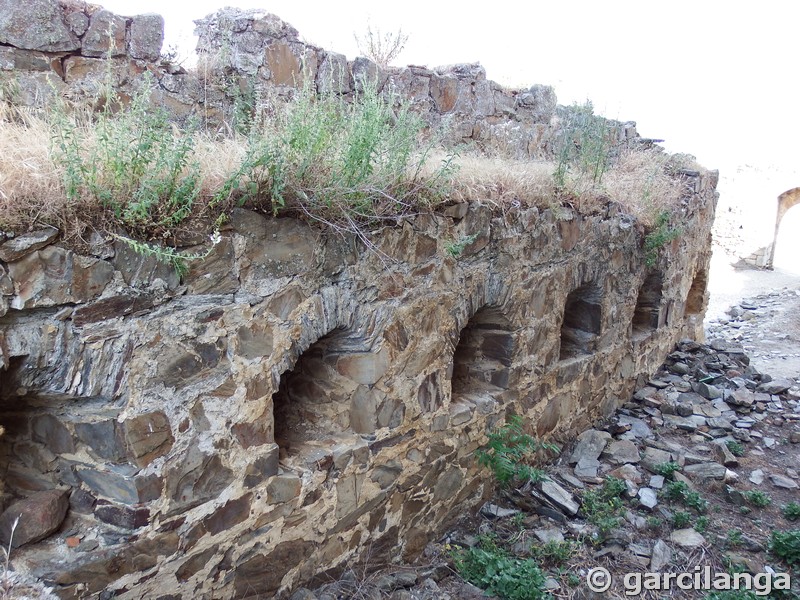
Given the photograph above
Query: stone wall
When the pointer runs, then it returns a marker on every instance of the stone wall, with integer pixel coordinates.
(71, 49)
(297, 403)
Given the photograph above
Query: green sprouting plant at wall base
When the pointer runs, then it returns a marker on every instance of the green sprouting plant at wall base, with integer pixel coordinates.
(791, 511)
(493, 570)
(786, 546)
(661, 235)
(603, 506)
(510, 451)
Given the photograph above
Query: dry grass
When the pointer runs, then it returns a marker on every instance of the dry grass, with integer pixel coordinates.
(32, 188)
(642, 181)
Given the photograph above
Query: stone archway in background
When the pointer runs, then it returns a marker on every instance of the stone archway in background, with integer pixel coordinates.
(786, 200)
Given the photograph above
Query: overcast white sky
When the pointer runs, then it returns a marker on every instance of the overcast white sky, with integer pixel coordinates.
(718, 79)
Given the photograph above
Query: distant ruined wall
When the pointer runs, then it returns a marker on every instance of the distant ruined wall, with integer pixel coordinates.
(65, 48)
(298, 403)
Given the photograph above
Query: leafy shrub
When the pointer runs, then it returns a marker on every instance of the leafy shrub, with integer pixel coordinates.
(584, 146)
(701, 524)
(735, 538)
(342, 163)
(131, 160)
(735, 447)
(603, 506)
(455, 248)
(661, 235)
(499, 574)
(786, 546)
(554, 552)
(791, 511)
(667, 469)
(757, 498)
(678, 491)
(509, 452)
(681, 519)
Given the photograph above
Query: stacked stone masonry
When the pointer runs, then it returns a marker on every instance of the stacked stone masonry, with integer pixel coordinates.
(297, 403)
(72, 49)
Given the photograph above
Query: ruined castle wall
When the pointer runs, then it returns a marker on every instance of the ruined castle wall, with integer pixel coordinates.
(298, 403)
(72, 49)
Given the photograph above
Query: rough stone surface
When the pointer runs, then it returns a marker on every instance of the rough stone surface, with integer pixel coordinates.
(35, 25)
(38, 516)
(146, 37)
(688, 538)
(305, 402)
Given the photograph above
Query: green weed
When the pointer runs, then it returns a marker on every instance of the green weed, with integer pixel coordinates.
(667, 469)
(786, 546)
(757, 498)
(661, 235)
(455, 248)
(603, 506)
(735, 447)
(681, 519)
(338, 162)
(584, 146)
(131, 160)
(510, 451)
(555, 553)
(500, 574)
(791, 511)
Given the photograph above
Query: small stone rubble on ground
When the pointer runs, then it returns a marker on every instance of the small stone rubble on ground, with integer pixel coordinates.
(702, 398)
(748, 324)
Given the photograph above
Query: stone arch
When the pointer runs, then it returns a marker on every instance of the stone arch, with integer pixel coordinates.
(326, 386)
(582, 320)
(483, 356)
(696, 298)
(647, 315)
(786, 200)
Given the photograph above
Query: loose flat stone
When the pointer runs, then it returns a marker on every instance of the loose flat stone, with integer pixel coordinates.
(653, 457)
(590, 445)
(639, 428)
(661, 556)
(639, 549)
(644, 393)
(560, 497)
(688, 538)
(656, 481)
(497, 512)
(741, 397)
(706, 390)
(720, 423)
(706, 410)
(648, 498)
(549, 534)
(658, 384)
(710, 470)
(621, 452)
(723, 455)
(783, 482)
(776, 386)
(587, 468)
(683, 423)
(627, 472)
